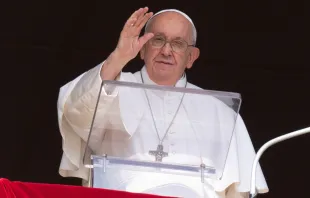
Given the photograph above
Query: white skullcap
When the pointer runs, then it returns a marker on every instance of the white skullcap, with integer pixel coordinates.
(172, 10)
(178, 11)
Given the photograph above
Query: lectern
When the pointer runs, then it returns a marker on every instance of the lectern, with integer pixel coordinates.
(160, 140)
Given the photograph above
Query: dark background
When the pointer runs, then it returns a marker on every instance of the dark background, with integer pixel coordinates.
(255, 48)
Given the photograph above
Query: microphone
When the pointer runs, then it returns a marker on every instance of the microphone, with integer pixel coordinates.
(268, 144)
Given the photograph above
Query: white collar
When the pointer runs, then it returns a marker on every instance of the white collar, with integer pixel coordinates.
(181, 82)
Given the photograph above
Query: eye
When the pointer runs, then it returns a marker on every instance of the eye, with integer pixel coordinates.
(158, 40)
(178, 43)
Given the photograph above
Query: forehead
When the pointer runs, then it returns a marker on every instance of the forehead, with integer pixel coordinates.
(171, 25)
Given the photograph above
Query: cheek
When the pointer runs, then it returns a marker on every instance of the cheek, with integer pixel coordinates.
(188, 60)
(150, 50)
(150, 55)
(182, 60)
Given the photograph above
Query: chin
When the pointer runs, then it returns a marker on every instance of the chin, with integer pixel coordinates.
(164, 68)
(163, 72)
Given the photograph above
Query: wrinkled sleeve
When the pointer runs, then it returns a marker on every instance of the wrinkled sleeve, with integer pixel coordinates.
(76, 104)
(238, 169)
(236, 179)
(246, 156)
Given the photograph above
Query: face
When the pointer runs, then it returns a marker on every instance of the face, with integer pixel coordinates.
(165, 56)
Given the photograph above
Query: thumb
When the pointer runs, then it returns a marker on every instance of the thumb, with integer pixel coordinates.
(143, 39)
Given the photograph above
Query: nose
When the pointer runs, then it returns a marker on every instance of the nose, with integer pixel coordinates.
(166, 49)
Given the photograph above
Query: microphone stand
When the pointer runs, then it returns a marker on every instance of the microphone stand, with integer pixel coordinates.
(268, 144)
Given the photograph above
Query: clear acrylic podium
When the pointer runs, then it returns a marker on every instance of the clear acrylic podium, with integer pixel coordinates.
(136, 135)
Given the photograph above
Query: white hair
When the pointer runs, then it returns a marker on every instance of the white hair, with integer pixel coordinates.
(194, 31)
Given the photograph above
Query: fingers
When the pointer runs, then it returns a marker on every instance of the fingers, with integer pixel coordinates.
(141, 22)
(143, 17)
(135, 17)
(130, 22)
(143, 39)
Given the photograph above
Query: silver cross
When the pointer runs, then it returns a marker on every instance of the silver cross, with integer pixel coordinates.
(159, 153)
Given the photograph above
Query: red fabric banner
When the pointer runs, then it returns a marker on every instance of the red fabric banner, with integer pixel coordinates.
(17, 189)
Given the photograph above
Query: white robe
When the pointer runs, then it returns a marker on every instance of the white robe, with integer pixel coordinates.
(76, 104)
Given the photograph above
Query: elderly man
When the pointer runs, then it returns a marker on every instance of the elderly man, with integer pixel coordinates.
(168, 49)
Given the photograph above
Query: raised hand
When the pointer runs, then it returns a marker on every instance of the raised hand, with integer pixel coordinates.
(130, 43)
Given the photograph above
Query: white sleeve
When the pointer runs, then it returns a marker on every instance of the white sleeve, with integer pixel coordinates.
(246, 155)
(76, 104)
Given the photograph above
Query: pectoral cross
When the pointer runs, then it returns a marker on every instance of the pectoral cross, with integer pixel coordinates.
(159, 153)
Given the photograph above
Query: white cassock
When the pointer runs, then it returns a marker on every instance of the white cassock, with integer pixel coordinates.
(125, 136)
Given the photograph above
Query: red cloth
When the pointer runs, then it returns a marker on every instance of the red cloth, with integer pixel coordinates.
(16, 189)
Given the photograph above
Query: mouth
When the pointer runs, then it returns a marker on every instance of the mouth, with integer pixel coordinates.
(165, 62)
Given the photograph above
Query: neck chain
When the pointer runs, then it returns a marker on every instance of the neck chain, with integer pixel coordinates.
(159, 153)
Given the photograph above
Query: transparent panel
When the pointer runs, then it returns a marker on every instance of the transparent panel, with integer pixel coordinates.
(148, 129)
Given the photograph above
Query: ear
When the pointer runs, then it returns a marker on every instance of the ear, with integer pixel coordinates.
(142, 52)
(193, 56)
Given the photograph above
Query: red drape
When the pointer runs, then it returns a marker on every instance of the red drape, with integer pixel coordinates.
(17, 189)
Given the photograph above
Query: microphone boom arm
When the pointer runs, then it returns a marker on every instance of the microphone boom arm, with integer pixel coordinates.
(268, 144)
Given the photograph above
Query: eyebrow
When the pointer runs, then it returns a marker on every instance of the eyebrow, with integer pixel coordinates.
(162, 34)
(159, 34)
